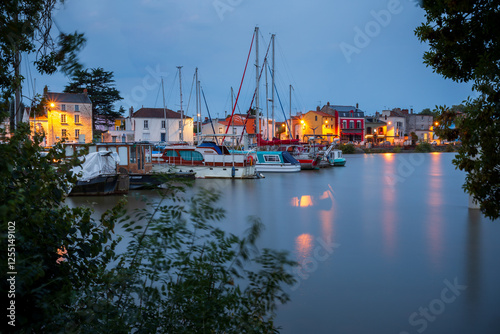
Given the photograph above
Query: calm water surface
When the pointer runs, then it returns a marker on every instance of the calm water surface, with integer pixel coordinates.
(386, 244)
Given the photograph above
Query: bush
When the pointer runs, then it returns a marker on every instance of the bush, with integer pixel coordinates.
(423, 148)
(449, 148)
(179, 274)
(397, 149)
(347, 148)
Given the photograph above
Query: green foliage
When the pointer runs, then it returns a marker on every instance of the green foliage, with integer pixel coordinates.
(397, 149)
(414, 137)
(449, 148)
(32, 193)
(182, 274)
(179, 273)
(101, 90)
(464, 47)
(26, 27)
(423, 147)
(347, 148)
(427, 111)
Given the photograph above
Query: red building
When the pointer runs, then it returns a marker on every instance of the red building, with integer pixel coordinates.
(349, 121)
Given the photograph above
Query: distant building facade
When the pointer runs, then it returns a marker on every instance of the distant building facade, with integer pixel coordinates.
(161, 125)
(67, 116)
(349, 121)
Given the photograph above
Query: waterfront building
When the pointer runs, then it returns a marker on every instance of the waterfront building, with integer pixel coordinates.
(318, 126)
(422, 125)
(376, 129)
(66, 116)
(161, 125)
(396, 125)
(349, 121)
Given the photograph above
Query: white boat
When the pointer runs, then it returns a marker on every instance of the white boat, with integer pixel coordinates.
(276, 162)
(207, 160)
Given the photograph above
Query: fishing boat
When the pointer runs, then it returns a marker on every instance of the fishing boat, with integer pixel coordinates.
(207, 160)
(276, 162)
(336, 158)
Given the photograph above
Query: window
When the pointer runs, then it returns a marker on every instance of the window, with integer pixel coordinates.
(191, 155)
(63, 107)
(77, 133)
(358, 124)
(422, 126)
(315, 118)
(63, 118)
(146, 124)
(369, 130)
(113, 139)
(163, 123)
(64, 133)
(271, 158)
(344, 124)
(77, 119)
(117, 128)
(77, 107)
(221, 129)
(351, 124)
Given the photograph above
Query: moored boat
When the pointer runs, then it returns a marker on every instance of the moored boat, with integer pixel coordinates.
(276, 162)
(207, 160)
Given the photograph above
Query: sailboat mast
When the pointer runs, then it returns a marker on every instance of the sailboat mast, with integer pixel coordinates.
(197, 106)
(232, 119)
(182, 112)
(257, 118)
(267, 100)
(164, 111)
(290, 127)
(273, 87)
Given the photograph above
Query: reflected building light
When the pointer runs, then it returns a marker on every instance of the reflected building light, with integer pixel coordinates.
(303, 202)
(303, 245)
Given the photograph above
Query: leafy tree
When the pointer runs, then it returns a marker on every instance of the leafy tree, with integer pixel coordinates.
(101, 90)
(427, 111)
(464, 47)
(414, 138)
(179, 274)
(26, 27)
(58, 250)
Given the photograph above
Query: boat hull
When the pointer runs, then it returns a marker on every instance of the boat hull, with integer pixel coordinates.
(210, 172)
(277, 168)
(101, 185)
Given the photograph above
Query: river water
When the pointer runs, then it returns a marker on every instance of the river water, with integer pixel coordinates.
(386, 244)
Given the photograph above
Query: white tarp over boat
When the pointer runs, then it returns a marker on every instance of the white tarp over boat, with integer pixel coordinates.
(97, 163)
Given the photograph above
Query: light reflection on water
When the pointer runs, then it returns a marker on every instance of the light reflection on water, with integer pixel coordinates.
(403, 227)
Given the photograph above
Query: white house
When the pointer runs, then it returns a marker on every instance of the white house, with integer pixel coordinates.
(161, 125)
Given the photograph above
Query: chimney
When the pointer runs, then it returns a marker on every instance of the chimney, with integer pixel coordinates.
(328, 103)
(45, 90)
(411, 111)
(357, 106)
(85, 91)
(318, 108)
(130, 112)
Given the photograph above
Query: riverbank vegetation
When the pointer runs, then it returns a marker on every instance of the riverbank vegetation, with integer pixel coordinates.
(180, 273)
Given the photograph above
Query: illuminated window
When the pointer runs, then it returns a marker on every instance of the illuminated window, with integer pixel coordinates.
(64, 133)
(77, 119)
(77, 133)
(63, 118)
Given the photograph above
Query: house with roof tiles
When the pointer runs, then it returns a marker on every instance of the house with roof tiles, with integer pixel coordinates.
(67, 116)
(349, 121)
(161, 125)
(318, 126)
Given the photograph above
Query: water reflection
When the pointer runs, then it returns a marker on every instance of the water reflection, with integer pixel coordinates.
(303, 246)
(434, 220)
(389, 209)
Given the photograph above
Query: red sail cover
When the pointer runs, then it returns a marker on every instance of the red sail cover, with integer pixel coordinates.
(263, 142)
